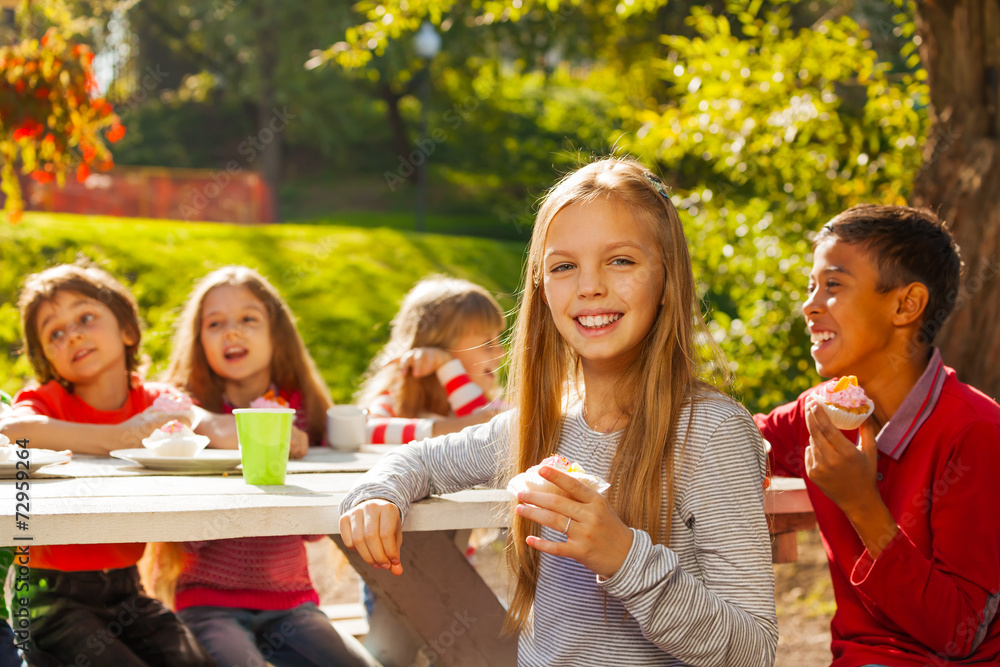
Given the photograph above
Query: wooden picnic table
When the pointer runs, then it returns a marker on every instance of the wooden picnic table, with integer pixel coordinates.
(440, 604)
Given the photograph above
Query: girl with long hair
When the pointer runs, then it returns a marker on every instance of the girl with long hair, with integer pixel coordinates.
(236, 341)
(437, 373)
(673, 565)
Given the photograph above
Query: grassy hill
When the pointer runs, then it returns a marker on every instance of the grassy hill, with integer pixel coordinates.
(344, 283)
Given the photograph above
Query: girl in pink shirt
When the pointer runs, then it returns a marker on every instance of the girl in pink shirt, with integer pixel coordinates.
(251, 601)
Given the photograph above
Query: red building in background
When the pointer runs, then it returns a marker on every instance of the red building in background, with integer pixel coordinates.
(213, 195)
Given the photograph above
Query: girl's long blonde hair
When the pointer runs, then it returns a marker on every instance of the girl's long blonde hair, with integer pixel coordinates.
(436, 312)
(651, 392)
(291, 366)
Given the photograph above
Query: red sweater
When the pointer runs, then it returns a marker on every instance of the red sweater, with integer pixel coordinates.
(931, 597)
(52, 400)
(269, 573)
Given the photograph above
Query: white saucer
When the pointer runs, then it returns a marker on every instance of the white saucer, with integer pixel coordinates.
(207, 460)
(37, 458)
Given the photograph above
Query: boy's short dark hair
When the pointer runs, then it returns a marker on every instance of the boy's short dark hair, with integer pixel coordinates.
(90, 281)
(908, 245)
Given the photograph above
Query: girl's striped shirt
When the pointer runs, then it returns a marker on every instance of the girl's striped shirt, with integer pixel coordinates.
(707, 599)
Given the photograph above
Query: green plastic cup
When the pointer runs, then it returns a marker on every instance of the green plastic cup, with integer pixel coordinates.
(264, 435)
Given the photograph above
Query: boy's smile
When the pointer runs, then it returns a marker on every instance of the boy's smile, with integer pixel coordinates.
(850, 321)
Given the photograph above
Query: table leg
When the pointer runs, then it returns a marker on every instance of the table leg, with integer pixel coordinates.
(440, 603)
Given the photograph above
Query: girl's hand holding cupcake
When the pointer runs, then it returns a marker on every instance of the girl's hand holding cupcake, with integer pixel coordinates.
(134, 429)
(595, 536)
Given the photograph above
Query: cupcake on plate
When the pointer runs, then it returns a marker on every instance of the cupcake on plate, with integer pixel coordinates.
(846, 403)
(175, 439)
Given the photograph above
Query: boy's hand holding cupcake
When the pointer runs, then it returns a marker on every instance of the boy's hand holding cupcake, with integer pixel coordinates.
(846, 472)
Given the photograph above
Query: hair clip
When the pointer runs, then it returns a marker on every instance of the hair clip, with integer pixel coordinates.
(657, 183)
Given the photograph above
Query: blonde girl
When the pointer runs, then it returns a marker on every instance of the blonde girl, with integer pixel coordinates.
(236, 341)
(437, 373)
(673, 565)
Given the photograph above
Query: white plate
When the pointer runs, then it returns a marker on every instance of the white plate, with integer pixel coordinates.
(207, 460)
(38, 458)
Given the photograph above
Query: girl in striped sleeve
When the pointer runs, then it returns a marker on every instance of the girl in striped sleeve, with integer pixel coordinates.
(672, 566)
(437, 373)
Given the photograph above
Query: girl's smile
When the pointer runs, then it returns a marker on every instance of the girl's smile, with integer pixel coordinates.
(236, 336)
(603, 281)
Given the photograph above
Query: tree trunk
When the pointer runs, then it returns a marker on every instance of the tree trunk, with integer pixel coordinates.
(269, 128)
(400, 134)
(960, 178)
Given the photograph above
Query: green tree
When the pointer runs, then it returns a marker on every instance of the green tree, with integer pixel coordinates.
(766, 118)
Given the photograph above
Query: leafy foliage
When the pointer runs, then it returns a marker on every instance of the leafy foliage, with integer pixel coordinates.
(50, 118)
(766, 118)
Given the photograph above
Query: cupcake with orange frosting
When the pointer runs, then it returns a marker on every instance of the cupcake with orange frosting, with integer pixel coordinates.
(269, 401)
(531, 480)
(846, 403)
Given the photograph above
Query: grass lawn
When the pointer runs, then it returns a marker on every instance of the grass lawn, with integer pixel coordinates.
(343, 278)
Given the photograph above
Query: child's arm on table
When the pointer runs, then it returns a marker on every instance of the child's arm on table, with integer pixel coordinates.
(46, 432)
(465, 397)
(947, 601)
(373, 511)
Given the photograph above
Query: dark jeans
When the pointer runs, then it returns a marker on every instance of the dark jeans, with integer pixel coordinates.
(297, 637)
(8, 652)
(103, 618)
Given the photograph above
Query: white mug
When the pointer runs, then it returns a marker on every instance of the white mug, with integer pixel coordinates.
(345, 427)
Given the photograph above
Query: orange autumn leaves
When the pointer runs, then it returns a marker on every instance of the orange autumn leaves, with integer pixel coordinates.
(51, 121)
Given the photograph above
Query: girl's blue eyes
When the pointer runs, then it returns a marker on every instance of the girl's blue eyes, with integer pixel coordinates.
(618, 261)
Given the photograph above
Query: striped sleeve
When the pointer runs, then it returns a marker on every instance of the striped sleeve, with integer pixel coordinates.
(440, 465)
(385, 428)
(725, 616)
(464, 395)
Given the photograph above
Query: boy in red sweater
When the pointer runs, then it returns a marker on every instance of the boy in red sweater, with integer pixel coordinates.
(85, 603)
(909, 516)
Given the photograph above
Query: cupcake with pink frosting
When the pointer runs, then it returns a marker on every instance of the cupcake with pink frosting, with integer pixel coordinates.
(846, 403)
(175, 439)
(531, 480)
(172, 403)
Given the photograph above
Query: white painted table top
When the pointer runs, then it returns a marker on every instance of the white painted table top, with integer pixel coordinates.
(170, 508)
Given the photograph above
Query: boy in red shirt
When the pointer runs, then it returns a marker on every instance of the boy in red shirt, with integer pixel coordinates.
(81, 331)
(909, 516)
